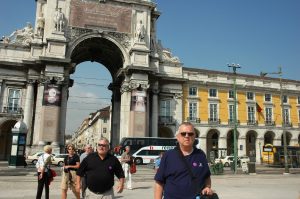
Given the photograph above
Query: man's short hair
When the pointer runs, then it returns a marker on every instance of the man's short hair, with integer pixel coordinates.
(185, 124)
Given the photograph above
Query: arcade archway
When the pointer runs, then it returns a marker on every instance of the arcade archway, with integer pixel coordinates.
(6, 138)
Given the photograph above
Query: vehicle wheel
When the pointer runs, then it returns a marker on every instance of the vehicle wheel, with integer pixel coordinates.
(138, 161)
(60, 164)
(226, 164)
(34, 162)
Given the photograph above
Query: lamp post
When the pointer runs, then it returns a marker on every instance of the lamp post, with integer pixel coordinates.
(234, 67)
(286, 167)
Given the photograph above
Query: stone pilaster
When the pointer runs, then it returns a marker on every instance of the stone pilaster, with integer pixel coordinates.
(155, 110)
(28, 109)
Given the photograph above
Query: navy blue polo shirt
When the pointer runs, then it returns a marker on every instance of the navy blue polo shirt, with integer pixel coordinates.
(175, 177)
(100, 173)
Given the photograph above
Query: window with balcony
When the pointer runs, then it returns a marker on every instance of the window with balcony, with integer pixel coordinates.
(230, 94)
(212, 92)
(250, 96)
(13, 100)
(104, 130)
(268, 97)
(251, 115)
(230, 114)
(192, 111)
(285, 99)
(193, 91)
(298, 101)
(104, 120)
(213, 112)
(269, 116)
(286, 116)
(165, 111)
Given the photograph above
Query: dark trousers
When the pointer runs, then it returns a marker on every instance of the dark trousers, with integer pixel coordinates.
(83, 186)
(41, 183)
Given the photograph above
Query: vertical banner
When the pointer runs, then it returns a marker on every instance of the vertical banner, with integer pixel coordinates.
(138, 101)
(52, 95)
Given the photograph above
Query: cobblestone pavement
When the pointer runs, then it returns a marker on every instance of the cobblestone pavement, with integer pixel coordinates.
(17, 183)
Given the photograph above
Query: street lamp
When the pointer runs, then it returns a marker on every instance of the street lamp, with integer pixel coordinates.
(283, 118)
(234, 67)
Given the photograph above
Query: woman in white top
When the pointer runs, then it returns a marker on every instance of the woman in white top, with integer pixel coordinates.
(42, 166)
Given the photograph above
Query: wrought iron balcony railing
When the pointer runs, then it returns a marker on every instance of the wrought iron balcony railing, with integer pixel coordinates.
(11, 110)
(287, 124)
(252, 122)
(214, 121)
(231, 122)
(269, 123)
(193, 119)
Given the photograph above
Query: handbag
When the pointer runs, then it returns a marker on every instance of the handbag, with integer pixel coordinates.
(132, 168)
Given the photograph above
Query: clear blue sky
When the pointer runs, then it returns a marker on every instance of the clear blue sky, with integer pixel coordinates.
(260, 35)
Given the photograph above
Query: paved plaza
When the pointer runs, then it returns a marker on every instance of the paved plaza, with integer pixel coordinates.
(268, 183)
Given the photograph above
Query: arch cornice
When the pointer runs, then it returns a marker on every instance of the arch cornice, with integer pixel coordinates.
(121, 40)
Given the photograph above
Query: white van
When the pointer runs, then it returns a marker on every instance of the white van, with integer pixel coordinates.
(148, 154)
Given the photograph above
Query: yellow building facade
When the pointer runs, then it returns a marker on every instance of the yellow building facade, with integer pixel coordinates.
(208, 102)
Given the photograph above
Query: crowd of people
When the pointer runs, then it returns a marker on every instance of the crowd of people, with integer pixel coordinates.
(182, 172)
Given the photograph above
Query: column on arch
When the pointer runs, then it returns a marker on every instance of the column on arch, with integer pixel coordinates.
(155, 110)
(28, 109)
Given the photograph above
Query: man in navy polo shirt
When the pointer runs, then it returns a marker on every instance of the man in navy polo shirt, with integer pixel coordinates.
(173, 179)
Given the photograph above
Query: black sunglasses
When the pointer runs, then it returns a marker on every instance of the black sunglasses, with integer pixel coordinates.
(190, 134)
(102, 145)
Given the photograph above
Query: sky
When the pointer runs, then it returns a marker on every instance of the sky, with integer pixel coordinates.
(259, 35)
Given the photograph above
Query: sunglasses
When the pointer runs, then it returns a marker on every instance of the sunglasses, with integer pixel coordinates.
(190, 134)
(102, 145)
(70, 149)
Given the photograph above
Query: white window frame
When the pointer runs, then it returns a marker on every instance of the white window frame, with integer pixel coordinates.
(193, 111)
(230, 94)
(270, 97)
(231, 112)
(215, 91)
(193, 91)
(253, 96)
(16, 101)
(165, 108)
(286, 116)
(251, 118)
(287, 99)
(213, 112)
(269, 114)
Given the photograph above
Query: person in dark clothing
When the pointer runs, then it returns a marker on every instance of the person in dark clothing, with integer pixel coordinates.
(71, 164)
(173, 179)
(100, 168)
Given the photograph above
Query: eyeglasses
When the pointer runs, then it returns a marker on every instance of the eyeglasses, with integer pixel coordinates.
(102, 145)
(190, 134)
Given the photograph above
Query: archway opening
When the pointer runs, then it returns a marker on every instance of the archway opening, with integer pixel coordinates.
(251, 144)
(6, 138)
(288, 138)
(212, 144)
(269, 137)
(230, 141)
(98, 51)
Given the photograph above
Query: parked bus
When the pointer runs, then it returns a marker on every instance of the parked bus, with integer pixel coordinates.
(274, 155)
(148, 154)
(136, 143)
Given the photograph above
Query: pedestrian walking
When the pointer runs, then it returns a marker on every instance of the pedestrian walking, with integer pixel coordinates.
(127, 160)
(71, 164)
(87, 150)
(100, 168)
(43, 165)
(183, 172)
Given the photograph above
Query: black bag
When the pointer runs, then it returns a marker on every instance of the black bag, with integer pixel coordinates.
(49, 173)
(213, 196)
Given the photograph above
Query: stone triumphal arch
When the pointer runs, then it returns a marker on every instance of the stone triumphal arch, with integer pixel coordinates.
(36, 63)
